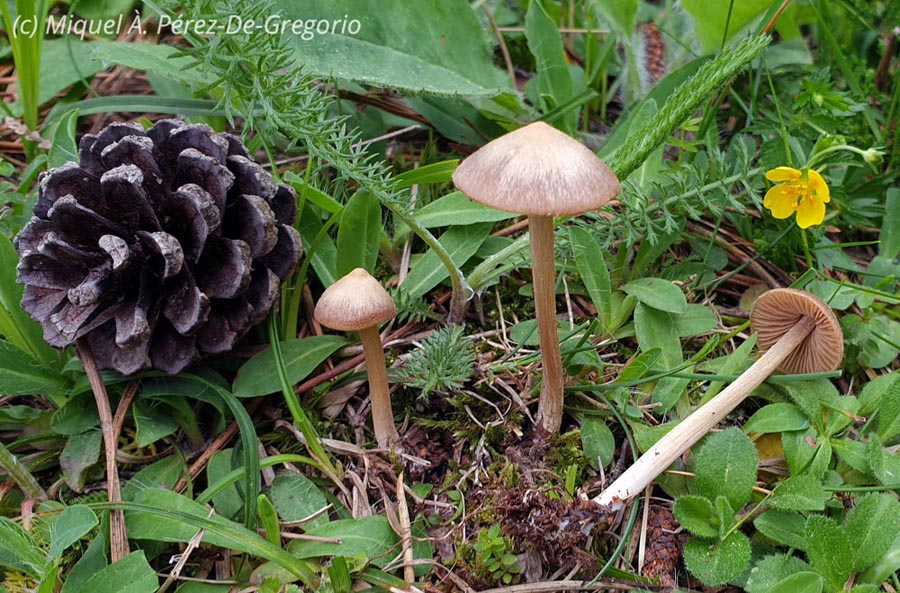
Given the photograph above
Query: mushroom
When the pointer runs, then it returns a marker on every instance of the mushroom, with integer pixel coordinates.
(357, 302)
(797, 332)
(541, 172)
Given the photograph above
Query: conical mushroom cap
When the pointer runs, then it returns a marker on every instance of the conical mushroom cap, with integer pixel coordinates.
(354, 302)
(778, 310)
(537, 170)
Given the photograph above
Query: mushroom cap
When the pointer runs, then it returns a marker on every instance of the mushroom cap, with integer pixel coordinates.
(778, 310)
(354, 302)
(537, 170)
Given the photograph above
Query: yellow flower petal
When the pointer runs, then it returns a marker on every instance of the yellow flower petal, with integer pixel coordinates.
(783, 174)
(781, 200)
(818, 185)
(810, 212)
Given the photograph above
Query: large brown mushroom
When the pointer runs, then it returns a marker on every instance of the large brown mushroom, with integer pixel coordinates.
(798, 333)
(357, 302)
(541, 172)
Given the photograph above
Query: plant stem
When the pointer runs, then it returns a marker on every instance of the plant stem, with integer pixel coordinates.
(18, 472)
(382, 413)
(806, 252)
(543, 270)
(118, 543)
(666, 450)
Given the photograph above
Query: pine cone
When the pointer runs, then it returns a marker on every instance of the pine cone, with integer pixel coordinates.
(158, 248)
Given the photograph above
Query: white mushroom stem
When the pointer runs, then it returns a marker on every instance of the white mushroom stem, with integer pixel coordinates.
(543, 268)
(382, 413)
(670, 447)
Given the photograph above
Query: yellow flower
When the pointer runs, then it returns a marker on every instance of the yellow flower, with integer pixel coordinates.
(804, 192)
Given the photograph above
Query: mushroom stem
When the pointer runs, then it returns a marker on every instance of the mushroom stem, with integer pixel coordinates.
(543, 269)
(382, 414)
(671, 446)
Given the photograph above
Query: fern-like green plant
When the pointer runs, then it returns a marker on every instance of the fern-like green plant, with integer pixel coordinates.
(444, 362)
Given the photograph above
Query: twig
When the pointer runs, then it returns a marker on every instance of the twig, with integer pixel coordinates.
(118, 541)
(409, 572)
(192, 545)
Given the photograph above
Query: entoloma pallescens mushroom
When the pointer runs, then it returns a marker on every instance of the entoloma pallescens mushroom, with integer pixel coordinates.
(798, 333)
(357, 302)
(541, 172)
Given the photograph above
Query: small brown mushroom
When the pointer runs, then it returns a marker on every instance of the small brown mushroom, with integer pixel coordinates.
(539, 171)
(798, 333)
(357, 302)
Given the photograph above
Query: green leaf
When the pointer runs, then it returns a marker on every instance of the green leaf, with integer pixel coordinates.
(440, 172)
(461, 242)
(875, 390)
(20, 374)
(301, 357)
(801, 448)
(717, 562)
(785, 527)
(324, 256)
(872, 525)
(452, 210)
(103, 9)
(697, 515)
(776, 418)
(657, 293)
(165, 60)
(714, 20)
(620, 13)
(853, 453)
(889, 410)
(801, 582)
(885, 465)
(889, 246)
(166, 516)
(656, 329)
(884, 567)
(359, 234)
(554, 83)
(371, 537)
(802, 492)
(639, 366)
(726, 466)
(594, 273)
(696, 320)
(64, 148)
(152, 420)
(771, 570)
(829, 550)
(131, 574)
(72, 524)
(732, 364)
(598, 441)
(80, 453)
(296, 497)
(394, 43)
(160, 474)
(91, 562)
(228, 502)
(18, 550)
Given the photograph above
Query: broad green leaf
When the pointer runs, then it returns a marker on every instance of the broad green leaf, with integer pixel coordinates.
(885, 464)
(734, 363)
(872, 525)
(697, 515)
(268, 518)
(18, 550)
(594, 273)
(164, 473)
(785, 527)
(719, 21)
(554, 83)
(598, 441)
(228, 502)
(296, 497)
(884, 566)
(776, 418)
(318, 246)
(801, 582)
(726, 466)
(461, 242)
(668, 391)
(80, 453)
(620, 13)
(801, 447)
(165, 60)
(72, 524)
(64, 148)
(829, 549)
(639, 366)
(452, 210)
(695, 320)
(301, 357)
(359, 234)
(371, 537)
(131, 574)
(889, 245)
(801, 492)
(163, 515)
(91, 562)
(853, 453)
(889, 410)
(771, 570)
(20, 374)
(394, 43)
(657, 293)
(875, 390)
(153, 421)
(440, 172)
(654, 328)
(717, 562)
